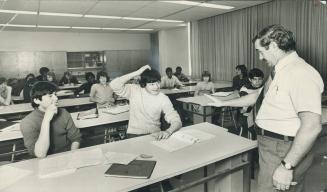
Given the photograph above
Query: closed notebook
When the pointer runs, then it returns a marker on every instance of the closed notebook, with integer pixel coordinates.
(140, 169)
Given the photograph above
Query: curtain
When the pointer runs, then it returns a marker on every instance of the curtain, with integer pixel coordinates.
(220, 43)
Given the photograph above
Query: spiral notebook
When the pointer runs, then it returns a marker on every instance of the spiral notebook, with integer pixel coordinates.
(139, 169)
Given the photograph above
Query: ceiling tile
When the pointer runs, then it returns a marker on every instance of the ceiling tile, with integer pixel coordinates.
(117, 8)
(22, 5)
(5, 17)
(159, 9)
(58, 21)
(68, 6)
(25, 20)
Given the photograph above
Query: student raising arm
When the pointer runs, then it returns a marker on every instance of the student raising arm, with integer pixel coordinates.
(147, 104)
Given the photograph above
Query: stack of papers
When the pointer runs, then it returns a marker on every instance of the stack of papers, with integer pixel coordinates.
(10, 175)
(89, 114)
(182, 139)
(67, 163)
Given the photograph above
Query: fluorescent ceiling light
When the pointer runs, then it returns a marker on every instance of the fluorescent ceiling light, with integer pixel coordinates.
(18, 12)
(216, 6)
(126, 29)
(200, 4)
(184, 2)
(102, 16)
(86, 28)
(140, 29)
(53, 27)
(138, 19)
(13, 25)
(170, 21)
(323, 2)
(61, 14)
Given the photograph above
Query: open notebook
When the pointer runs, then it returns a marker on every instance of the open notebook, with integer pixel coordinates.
(182, 139)
(222, 94)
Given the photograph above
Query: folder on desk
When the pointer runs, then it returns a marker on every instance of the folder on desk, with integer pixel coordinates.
(139, 169)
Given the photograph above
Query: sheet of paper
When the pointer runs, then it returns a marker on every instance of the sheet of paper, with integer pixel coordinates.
(171, 144)
(222, 94)
(200, 135)
(116, 109)
(55, 166)
(120, 158)
(84, 158)
(10, 175)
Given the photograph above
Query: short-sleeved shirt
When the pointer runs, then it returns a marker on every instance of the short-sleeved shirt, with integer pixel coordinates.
(102, 93)
(145, 109)
(204, 87)
(296, 87)
(63, 131)
(172, 82)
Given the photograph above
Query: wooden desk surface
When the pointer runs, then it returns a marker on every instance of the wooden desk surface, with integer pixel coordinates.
(103, 119)
(203, 100)
(26, 107)
(223, 146)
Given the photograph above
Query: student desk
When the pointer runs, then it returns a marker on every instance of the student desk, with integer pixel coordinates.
(225, 155)
(69, 86)
(190, 83)
(198, 107)
(222, 84)
(27, 107)
(182, 90)
(105, 121)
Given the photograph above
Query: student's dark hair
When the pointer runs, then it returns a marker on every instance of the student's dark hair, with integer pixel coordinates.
(102, 74)
(44, 70)
(88, 75)
(30, 75)
(169, 69)
(149, 76)
(255, 72)
(206, 74)
(243, 70)
(41, 88)
(179, 68)
(2, 80)
(278, 34)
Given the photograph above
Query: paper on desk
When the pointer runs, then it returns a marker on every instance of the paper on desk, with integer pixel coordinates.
(55, 166)
(14, 127)
(120, 158)
(10, 175)
(222, 94)
(83, 158)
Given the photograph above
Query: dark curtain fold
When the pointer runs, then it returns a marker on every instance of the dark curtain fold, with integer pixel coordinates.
(220, 43)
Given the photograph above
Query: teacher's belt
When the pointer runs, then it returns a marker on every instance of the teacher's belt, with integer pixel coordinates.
(266, 133)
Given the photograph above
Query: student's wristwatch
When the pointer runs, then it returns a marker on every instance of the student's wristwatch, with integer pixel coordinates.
(287, 165)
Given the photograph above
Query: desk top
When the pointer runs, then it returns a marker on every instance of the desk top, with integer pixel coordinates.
(223, 146)
(26, 107)
(177, 91)
(203, 100)
(69, 86)
(103, 119)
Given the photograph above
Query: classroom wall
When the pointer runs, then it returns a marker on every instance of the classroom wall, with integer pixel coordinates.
(25, 52)
(173, 49)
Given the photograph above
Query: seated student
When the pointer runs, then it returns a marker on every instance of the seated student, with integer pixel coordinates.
(101, 92)
(241, 78)
(5, 92)
(43, 74)
(180, 76)
(48, 129)
(170, 81)
(68, 78)
(246, 118)
(51, 76)
(147, 104)
(205, 86)
(86, 87)
(29, 82)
